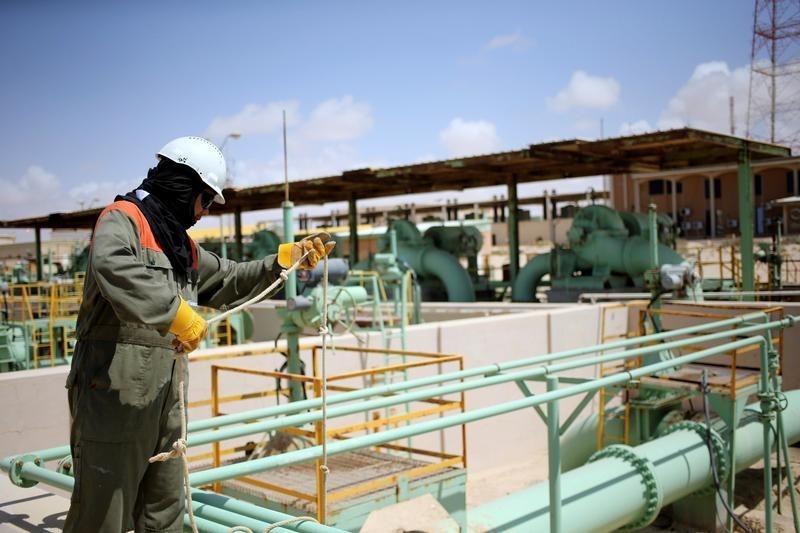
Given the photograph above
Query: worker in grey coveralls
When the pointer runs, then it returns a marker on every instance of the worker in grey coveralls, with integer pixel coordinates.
(144, 277)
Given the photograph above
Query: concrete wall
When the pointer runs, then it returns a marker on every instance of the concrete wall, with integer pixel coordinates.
(532, 231)
(39, 419)
(34, 413)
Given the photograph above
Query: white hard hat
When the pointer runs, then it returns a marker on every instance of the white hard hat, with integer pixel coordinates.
(202, 156)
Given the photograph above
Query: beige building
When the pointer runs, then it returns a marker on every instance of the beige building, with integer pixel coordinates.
(705, 200)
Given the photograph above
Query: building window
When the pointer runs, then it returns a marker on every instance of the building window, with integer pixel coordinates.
(717, 188)
(759, 184)
(790, 182)
(679, 187)
(656, 187)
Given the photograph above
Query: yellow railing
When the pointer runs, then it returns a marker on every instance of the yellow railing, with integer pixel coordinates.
(375, 421)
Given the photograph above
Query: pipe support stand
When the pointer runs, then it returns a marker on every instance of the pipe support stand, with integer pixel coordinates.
(653, 494)
(717, 444)
(15, 472)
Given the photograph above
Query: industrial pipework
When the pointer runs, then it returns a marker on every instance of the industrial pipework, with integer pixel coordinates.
(439, 273)
(628, 485)
(606, 251)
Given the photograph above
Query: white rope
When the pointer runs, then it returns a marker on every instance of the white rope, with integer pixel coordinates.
(180, 446)
(284, 276)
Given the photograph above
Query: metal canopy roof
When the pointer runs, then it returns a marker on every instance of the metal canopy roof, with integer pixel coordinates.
(649, 152)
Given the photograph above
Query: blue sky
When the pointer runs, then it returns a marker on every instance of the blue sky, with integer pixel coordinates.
(91, 90)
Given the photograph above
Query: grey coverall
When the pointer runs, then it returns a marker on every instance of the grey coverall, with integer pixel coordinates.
(122, 387)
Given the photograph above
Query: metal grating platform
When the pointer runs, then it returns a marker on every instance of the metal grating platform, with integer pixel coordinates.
(346, 470)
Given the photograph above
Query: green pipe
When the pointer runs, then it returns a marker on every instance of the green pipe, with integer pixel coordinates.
(381, 402)
(274, 411)
(513, 228)
(428, 260)
(653, 228)
(374, 439)
(631, 255)
(291, 330)
(216, 508)
(745, 188)
(554, 457)
(257, 512)
(528, 279)
(206, 526)
(38, 237)
(607, 494)
(352, 221)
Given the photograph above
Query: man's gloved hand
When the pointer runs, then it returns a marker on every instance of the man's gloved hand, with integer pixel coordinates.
(189, 328)
(319, 245)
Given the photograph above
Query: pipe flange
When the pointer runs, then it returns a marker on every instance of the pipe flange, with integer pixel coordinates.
(653, 494)
(717, 444)
(65, 466)
(15, 472)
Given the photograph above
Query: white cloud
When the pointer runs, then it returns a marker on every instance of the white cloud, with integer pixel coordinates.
(515, 41)
(635, 128)
(704, 101)
(320, 145)
(39, 192)
(254, 119)
(339, 119)
(100, 193)
(463, 137)
(586, 91)
(36, 187)
(589, 125)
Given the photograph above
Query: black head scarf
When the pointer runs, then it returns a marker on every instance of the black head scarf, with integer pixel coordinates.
(169, 209)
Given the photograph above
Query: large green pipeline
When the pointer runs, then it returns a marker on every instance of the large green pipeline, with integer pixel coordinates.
(622, 255)
(524, 288)
(430, 261)
(607, 494)
(629, 255)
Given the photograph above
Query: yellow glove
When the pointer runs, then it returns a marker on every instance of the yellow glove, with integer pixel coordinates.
(318, 245)
(189, 328)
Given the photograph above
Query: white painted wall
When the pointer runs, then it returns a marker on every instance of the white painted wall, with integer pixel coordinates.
(38, 416)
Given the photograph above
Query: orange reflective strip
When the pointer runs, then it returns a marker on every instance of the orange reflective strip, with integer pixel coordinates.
(146, 236)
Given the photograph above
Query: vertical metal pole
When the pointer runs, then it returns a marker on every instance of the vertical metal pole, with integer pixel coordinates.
(39, 273)
(551, 214)
(712, 206)
(674, 201)
(513, 228)
(289, 327)
(237, 223)
(766, 398)
(554, 458)
(352, 215)
(745, 183)
(223, 247)
(731, 485)
(652, 220)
